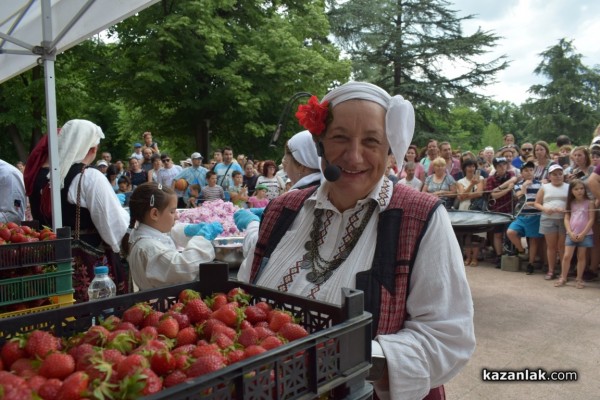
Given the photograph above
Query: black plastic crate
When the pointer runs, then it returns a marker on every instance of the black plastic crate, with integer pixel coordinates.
(36, 253)
(334, 359)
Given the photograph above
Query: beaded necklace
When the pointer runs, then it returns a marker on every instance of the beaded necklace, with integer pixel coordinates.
(321, 269)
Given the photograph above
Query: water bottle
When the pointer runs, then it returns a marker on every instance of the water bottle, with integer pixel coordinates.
(102, 287)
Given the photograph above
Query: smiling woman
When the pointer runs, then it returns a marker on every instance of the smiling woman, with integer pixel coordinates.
(358, 230)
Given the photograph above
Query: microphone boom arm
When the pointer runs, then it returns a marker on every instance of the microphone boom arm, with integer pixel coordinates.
(284, 117)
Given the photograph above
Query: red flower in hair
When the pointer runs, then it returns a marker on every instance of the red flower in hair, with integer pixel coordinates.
(313, 115)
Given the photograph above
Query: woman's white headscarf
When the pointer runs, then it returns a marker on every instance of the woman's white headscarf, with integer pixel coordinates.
(76, 139)
(399, 118)
(304, 151)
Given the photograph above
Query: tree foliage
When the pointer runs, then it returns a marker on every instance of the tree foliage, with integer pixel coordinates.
(569, 103)
(406, 47)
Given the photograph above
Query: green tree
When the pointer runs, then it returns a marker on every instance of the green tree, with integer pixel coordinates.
(568, 104)
(415, 48)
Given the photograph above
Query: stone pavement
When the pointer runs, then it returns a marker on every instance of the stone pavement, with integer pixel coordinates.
(524, 322)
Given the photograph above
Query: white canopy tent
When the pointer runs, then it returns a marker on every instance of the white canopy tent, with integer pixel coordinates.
(34, 31)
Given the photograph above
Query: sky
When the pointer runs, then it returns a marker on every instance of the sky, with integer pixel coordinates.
(528, 28)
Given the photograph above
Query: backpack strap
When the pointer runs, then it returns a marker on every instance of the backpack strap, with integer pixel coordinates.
(277, 219)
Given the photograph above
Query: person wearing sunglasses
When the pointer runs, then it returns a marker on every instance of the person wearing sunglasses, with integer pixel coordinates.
(525, 153)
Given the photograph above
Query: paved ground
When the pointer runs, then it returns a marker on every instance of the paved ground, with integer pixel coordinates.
(525, 322)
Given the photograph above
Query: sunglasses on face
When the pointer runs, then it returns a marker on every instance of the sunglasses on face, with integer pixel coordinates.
(527, 149)
(166, 160)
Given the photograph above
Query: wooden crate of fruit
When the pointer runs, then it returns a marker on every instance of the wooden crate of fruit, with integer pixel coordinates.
(200, 340)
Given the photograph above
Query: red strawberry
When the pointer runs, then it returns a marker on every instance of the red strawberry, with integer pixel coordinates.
(230, 314)
(292, 331)
(182, 319)
(112, 356)
(96, 336)
(111, 322)
(205, 364)
(253, 350)
(40, 343)
(168, 326)
(217, 300)
(49, 389)
(57, 365)
(185, 349)
(148, 333)
(234, 356)
(12, 351)
(177, 307)
(222, 340)
(153, 318)
(12, 225)
(187, 336)
(124, 341)
(24, 367)
(239, 295)
(175, 378)
(35, 382)
(248, 337)
(5, 234)
(136, 314)
(162, 362)
(187, 295)
(197, 311)
(124, 326)
(255, 314)
(131, 364)
(271, 342)
(208, 349)
(263, 332)
(278, 319)
(227, 331)
(74, 387)
(17, 238)
(209, 325)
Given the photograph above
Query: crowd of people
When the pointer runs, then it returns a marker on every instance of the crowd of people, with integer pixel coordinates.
(559, 213)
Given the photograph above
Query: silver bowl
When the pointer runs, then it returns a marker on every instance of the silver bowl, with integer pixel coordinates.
(229, 250)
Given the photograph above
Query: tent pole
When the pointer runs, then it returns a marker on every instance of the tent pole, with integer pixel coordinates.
(48, 57)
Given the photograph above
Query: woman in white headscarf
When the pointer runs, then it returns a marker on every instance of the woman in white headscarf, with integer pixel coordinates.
(301, 162)
(102, 220)
(358, 230)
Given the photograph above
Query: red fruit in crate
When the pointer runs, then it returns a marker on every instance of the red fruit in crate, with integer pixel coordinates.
(239, 295)
(49, 389)
(12, 225)
(278, 319)
(35, 382)
(123, 341)
(205, 364)
(248, 337)
(131, 364)
(255, 314)
(206, 349)
(182, 319)
(112, 356)
(187, 295)
(31, 239)
(41, 343)
(26, 229)
(124, 326)
(148, 333)
(152, 383)
(292, 331)
(12, 351)
(24, 367)
(234, 356)
(5, 234)
(230, 314)
(222, 340)
(111, 322)
(35, 234)
(153, 318)
(168, 326)
(97, 335)
(187, 336)
(217, 300)
(57, 365)
(163, 362)
(136, 314)
(197, 311)
(74, 387)
(17, 238)
(253, 350)
(227, 331)
(175, 378)
(263, 332)
(185, 349)
(2, 241)
(271, 342)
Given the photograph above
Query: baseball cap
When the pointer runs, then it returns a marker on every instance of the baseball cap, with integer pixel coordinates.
(101, 163)
(136, 145)
(554, 167)
(528, 164)
(595, 143)
(499, 160)
(196, 155)
(261, 187)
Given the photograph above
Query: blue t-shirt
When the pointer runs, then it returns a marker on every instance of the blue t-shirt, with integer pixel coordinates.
(224, 174)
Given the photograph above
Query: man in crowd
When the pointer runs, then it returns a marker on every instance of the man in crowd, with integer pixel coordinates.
(452, 164)
(106, 156)
(102, 166)
(196, 174)
(13, 201)
(411, 179)
(225, 169)
(500, 186)
(432, 154)
(526, 152)
(166, 175)
(147, 160)
(527, 223)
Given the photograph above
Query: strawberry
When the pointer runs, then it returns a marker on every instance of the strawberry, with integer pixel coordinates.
(12, 225)
(187, 336)
(222, 340)
(17, 238)
(168, 326)
(136, 314)
(35, 382)
(152, 383)
(124, 326)
(5, 234)
(153, 318)
(148, 333)
(57, 365)
(234, 356)
(205, 364)
(208, 326)
(197, 311)
(96, 335)
(162, 362)
(182, 319)
(292, 331)
(175, 378)
(238, 295)
(131, 364)
(74, 387)
(185, 349)
(216, 301)
(40, 343)
(208, 349)
(244, 324)
(263, 332)
(24, 367)
(248, 337)
(188, 294)
(271, 342)
(49, 389)
(227, 331)
(12, 351)
(112, 356)
(278, 319)
(230, 314)
(124, 341)
(253, 350)
(255, 314)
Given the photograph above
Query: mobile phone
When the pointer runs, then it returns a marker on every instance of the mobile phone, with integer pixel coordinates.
(580, 175)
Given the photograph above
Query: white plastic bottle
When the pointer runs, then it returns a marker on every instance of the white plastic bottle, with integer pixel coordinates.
(101, 287)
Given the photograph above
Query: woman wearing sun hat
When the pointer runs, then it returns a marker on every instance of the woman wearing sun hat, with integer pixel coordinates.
(358, 230)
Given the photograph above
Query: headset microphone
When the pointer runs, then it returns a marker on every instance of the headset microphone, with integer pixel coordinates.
(331, 172)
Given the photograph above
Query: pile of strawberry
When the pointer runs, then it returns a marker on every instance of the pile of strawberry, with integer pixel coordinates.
(13, 233)
(145, 350)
